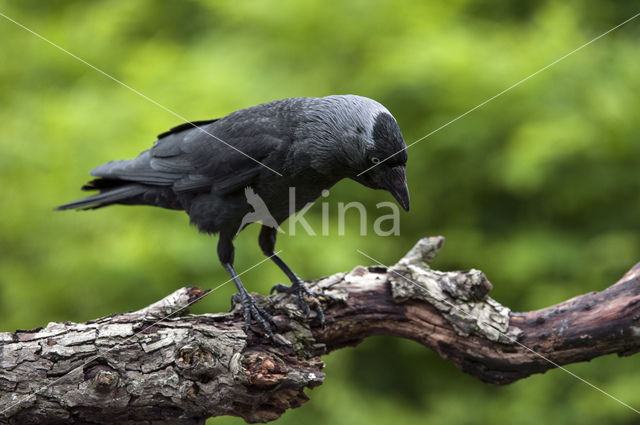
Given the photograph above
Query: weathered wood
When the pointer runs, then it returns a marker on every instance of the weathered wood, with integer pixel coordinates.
(144, 367)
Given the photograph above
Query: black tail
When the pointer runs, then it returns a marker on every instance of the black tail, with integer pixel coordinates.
(112, 191)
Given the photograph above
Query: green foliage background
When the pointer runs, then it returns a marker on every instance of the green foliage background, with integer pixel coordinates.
(538, 188)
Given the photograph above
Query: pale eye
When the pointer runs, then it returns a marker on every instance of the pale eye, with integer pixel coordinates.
(375, 160)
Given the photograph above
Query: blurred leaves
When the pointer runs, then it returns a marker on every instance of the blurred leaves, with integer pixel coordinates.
(538, 188)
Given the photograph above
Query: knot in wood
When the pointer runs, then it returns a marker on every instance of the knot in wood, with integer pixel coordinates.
(105, 380)
(196, 362)
(263, 371)
(190, 356)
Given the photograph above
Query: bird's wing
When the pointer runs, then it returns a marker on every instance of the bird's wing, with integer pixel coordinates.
(186, 126)
(192, 160)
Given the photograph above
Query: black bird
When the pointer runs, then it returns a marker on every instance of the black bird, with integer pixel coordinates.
(204, 167)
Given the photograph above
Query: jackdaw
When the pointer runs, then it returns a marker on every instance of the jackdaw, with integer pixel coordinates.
(205, 168)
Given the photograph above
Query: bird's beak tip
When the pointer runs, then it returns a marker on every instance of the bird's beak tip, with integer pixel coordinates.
(398, 187)
(403, 199)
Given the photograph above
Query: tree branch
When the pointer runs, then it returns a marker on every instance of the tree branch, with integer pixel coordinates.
(140, 367)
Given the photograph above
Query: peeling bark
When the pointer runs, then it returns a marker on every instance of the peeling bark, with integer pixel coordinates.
(143, 367)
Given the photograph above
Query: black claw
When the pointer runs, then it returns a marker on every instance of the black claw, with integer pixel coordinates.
(235, 299)
(300, 290)
(280, 288)
(252, 310)
(264, 314)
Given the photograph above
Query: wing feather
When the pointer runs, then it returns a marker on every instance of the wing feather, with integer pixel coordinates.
(189, 159)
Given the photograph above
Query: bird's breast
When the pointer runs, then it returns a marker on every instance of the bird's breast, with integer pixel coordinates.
(292, 195)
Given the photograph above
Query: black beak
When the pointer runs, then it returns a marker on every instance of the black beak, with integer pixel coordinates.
(396, 184)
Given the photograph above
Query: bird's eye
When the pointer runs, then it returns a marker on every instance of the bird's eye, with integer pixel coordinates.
(375, 160)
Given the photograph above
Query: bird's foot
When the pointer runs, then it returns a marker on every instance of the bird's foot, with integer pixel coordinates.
(305, 297)
(253, 310)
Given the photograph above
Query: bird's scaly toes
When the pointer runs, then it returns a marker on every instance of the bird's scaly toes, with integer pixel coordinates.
(305, 297)
(253, 310)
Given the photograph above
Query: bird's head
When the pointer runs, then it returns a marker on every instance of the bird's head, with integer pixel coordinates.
(383, 162)
(356, 137)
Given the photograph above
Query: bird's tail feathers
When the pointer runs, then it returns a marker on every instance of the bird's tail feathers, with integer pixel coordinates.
(111, 192)
(103, 184)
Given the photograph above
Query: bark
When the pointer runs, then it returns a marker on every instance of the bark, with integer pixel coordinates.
(143, 367)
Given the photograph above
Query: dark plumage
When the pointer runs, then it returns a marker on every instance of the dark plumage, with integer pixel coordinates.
(312, 142)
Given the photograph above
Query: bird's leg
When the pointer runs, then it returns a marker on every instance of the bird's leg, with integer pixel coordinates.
(251, 309)
(267, 240)
(300, 289)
